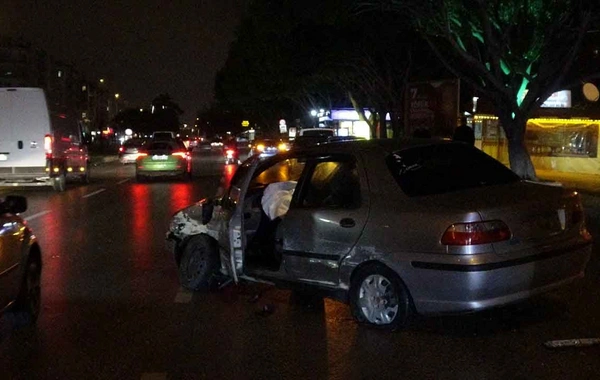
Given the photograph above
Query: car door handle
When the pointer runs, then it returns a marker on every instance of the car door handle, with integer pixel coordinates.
(347, 223)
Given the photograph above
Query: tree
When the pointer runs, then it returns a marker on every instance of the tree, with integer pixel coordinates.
(165, 113)
(291, 57)
(516, 53)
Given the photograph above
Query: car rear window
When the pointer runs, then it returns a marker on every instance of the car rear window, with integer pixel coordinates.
(132, 143)
(444, 168)
(162, 146)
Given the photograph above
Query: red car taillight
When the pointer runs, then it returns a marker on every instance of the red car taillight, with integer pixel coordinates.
(476, 233)
(48, 145)
(121, 149)
(180, 154)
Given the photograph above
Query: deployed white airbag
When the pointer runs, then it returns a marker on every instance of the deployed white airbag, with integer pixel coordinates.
(277, 197)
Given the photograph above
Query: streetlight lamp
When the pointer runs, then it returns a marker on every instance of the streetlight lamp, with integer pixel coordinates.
(116, 103)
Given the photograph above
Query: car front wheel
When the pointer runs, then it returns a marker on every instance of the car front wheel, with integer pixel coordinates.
(27, 306)
(379, 298)
(199, 263)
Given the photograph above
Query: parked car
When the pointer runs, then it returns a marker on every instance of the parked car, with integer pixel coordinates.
(390, 227)
(38, 147)
(129, 150)
(163, 159)
(20, 262)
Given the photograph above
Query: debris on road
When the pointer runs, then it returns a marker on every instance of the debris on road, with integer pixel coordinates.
(572, 343)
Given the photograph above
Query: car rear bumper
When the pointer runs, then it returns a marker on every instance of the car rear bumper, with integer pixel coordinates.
(128, 158)
(162, 173)
(467, 288)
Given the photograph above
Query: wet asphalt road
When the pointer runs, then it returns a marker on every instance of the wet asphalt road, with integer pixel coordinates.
(113, 309)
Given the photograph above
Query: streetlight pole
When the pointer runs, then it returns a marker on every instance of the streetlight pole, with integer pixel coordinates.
(116, 104)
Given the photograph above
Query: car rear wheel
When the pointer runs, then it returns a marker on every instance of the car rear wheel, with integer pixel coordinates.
(27, 306)
(379, 298)
(199, 263)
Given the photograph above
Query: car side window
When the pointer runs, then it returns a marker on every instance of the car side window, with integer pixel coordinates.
(285, 170)
(333, 184)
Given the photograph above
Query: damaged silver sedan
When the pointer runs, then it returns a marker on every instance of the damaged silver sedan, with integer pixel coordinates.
(390, 227)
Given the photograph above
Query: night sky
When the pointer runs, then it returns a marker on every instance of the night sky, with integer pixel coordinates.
(141, 48)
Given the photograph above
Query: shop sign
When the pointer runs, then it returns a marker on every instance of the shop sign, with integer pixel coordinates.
(559, 99)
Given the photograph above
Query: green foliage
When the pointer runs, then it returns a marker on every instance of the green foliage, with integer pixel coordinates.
(506, 46)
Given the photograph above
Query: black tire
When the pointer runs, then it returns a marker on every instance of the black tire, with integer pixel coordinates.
(59, 183)
(388, 307)
(28, 305)
(199, 263)
(85, 178)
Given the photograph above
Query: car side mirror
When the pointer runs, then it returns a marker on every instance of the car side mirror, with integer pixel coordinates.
(14, 204)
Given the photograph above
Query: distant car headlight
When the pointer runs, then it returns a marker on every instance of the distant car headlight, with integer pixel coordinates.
(260, 147)
(283, 147)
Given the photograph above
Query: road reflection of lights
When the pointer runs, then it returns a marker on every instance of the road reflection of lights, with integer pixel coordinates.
(140, 223)
(228, 172)
(181, 196)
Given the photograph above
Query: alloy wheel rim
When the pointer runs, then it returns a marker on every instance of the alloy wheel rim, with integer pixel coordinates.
(378, 300)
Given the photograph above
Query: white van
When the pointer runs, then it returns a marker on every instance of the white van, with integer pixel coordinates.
(38, 148)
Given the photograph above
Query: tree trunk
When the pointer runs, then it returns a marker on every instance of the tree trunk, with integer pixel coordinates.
(520, 161)
(518, 156)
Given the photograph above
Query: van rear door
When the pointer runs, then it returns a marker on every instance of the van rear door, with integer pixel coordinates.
(24, 122)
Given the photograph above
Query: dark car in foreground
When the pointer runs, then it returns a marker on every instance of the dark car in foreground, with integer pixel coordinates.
(390, 227)
(163, 159)
(20, 262)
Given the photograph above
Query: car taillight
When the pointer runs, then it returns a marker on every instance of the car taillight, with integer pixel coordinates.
(121, 149)
(476, 233)
(48, 145)
(142, 154)
(180, 154)
(229, 152)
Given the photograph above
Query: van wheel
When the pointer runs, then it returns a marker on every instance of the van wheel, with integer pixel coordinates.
(199, 262)
(27, 307)
(59, 183)
(378, 298)
(85, 178)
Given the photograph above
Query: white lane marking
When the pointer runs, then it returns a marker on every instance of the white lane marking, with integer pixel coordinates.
(154, 376)
(183, 296)
(123, 181)
(31, 217)
(93, 193)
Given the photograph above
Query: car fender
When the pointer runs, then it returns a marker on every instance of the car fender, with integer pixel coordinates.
(188, 222)
(30, 245)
